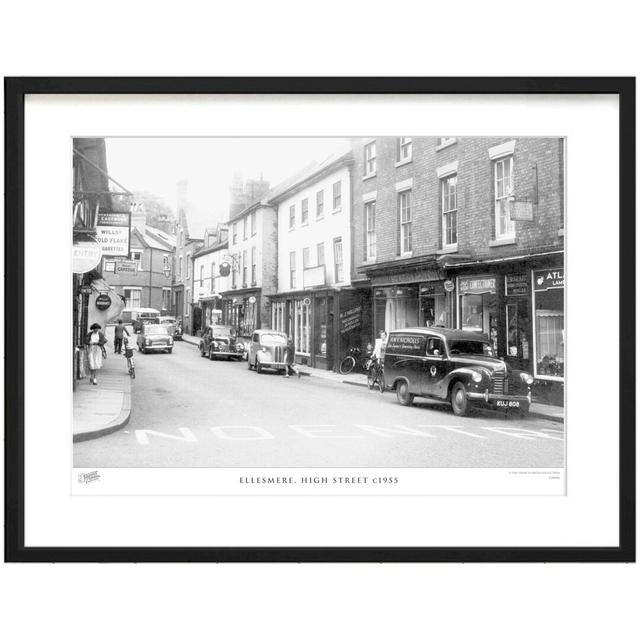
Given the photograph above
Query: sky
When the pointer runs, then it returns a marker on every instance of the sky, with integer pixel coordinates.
(209, 164)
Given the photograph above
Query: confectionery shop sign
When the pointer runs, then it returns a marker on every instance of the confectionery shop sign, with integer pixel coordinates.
(546, 279)
(477, 284)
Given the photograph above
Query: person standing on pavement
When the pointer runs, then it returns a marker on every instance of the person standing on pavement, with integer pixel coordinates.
(120, 330)
(289, 358)
(95, 340)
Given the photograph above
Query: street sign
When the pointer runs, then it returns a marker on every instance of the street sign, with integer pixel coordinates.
(103, 302)
(449, 285)
(252, 300)
(86, 289)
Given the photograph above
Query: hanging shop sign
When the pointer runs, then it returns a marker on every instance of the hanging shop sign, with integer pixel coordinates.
(351, 319)
(126, 267)
(103, 302)
(449, 286)
(86, 255)
(546, 279)
(224, 269)
(252, 299)
(476, 284)
(113, 233)
(516, 284)
(306, 302)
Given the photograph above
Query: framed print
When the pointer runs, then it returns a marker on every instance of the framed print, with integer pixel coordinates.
(320, 319)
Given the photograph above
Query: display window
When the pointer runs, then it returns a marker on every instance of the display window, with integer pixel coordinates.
(302, 331)
(478, 307)
(548, 297)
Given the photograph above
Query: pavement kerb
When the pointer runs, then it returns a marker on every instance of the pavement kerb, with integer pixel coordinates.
(536, 414)
(114, 425)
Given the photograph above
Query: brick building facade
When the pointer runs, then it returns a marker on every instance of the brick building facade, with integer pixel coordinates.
(466, 233)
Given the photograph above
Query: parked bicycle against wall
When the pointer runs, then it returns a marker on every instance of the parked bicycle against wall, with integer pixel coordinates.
(354, 360)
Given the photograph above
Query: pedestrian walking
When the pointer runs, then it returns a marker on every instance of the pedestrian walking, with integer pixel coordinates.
(120, 330)
(95, 340)
(289, 358)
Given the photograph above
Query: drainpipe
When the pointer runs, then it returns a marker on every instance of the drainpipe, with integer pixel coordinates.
(150, 272)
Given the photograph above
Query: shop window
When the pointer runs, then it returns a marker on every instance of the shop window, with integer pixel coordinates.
(278, 316)
(321, 327)
(549, 333)
(503, 188)
(517, 327)
(302, 328)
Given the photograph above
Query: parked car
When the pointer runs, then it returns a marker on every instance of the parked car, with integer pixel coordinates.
(220, 341)
(458, 367)
(154, 337)
(267, 350)
(175, 328)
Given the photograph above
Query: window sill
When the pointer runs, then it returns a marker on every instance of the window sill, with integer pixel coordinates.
(447, 143)
(501, 242)
(405, 254)
(338, 210)
(401, 163)
(304, 224)
(561, 233)
(448, 249)
(292, 228)
(368, 176)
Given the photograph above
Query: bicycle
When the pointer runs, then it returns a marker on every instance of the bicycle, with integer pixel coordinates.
(375, 375)
(348, 363)
(131, 365)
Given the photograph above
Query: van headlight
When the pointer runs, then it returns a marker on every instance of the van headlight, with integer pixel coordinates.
(476, 376)
(527, 378)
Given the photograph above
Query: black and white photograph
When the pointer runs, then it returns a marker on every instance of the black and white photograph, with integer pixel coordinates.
(365, 303)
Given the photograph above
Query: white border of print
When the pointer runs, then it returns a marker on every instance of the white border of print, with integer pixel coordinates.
(54, 517)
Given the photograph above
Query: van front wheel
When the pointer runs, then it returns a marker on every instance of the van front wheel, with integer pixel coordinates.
(459, 401)
(402, 393)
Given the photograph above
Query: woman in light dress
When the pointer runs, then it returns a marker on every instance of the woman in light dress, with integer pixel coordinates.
(95, 340)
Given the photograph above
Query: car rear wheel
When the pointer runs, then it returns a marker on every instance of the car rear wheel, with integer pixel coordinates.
(210, 354)
(402, 392)
(258, 367)
(459, 401)
(170, 350)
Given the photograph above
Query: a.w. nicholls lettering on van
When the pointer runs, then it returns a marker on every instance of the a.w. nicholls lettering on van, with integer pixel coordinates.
(406, 344)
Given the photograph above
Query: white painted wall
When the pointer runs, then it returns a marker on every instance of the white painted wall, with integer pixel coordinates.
(334, 224)
(220, 283)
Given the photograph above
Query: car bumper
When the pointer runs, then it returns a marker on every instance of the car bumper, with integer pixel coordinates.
(226, 354)
(271, 364)
(501, 401)
(157, 347)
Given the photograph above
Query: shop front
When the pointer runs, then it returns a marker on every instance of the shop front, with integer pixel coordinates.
(210, 310)
(520, 307)
(324, 324)
(241, 310)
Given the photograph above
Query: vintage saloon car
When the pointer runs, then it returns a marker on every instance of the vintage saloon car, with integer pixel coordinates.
(154, 337)
(266, 350)
(453, 366)
(220, 341)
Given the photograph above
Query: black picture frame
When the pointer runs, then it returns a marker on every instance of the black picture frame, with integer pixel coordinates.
(15, 91)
